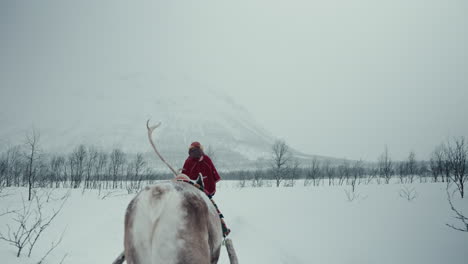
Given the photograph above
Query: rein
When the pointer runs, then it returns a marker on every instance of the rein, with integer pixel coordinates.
(201, 188)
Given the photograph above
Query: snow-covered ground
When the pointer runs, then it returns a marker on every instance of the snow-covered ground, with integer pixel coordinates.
(269, 225)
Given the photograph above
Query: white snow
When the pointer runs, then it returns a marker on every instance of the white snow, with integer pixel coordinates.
(272, 225)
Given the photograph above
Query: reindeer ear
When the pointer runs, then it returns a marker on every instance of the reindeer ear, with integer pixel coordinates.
(200, 180)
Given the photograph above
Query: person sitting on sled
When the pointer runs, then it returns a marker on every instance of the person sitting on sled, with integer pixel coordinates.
(198, 162)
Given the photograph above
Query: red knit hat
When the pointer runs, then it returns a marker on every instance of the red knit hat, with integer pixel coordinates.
(195, 144)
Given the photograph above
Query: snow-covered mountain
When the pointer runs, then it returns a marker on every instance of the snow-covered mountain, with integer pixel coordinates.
(113, 113)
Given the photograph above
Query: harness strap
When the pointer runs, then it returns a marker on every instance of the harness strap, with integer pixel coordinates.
(198, 186)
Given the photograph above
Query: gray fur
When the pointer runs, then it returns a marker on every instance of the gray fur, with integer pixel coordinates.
(200, 232)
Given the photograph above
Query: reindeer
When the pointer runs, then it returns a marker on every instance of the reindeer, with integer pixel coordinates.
(172, 222)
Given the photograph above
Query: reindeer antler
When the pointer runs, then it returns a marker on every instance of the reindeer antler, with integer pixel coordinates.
(150, 132)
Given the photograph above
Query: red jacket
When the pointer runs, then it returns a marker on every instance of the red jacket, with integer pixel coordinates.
(192, 167)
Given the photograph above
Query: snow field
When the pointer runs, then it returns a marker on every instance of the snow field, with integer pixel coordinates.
(271, 225)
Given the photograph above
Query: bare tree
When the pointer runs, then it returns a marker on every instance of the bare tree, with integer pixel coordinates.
(422, 171)
(135, 169)
(436, 163)
(52, 247)
(99, 170)
(411, 166)
(3, 175)
(77, 162)
(91, 161)
(343, 172)
(456, 155)
(43, 221)
(257, 176)
(356, 173)
(458, 215)
(292, 173)
(116, 166)
(408, 193)
(139, 163)
(280, 160)
(42, 174)
(11, 163)
(30, 224)
(447, 165)
(17, 168)
(57, 166)
(313, 173)
(243, 177)
(32, 155)
(400, 169)
(353, 195)
(329, 171)
(385, 166)
(372, 172)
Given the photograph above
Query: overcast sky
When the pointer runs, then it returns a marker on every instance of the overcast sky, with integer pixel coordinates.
(331, 77)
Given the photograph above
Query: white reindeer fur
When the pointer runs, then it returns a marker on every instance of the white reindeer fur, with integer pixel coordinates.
(159, 224)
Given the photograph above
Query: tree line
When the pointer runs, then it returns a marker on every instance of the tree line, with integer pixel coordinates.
(447, 163)
(88, 167)
(84, 167)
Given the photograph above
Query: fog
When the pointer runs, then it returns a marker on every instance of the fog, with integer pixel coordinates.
(334, 78)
